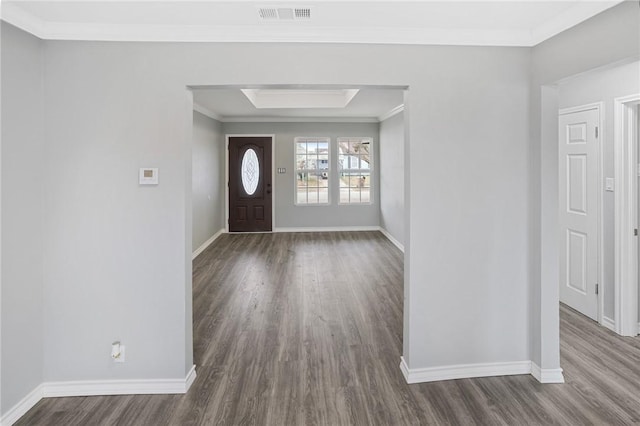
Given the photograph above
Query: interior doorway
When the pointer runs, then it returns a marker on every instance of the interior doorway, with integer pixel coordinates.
(228, 126)
(596, 108)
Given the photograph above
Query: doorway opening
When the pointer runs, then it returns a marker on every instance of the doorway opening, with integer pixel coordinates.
(368, 137)
(598, 195)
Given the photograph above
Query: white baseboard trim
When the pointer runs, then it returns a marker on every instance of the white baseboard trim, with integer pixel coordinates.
(328, 229)
(21, 408)
(120, 387)
(206, 244)
(392, 239)
(98, 387)
(464, 371)
(343, 229)
(609, 323)
(191, 377)
(547, 375)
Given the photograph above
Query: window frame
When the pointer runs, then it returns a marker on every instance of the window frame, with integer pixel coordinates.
(370, 171)
(296, 172)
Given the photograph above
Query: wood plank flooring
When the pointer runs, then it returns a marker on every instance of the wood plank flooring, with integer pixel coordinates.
(306, 329)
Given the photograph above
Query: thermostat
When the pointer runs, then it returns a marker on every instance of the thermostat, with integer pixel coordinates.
(148, 176)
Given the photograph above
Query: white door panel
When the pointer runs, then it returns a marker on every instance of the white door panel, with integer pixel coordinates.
(578, 176)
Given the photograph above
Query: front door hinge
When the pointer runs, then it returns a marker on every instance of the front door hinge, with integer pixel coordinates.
(596, 131)
(597, 289)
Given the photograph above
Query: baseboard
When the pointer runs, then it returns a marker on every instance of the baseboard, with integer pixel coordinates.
(98, 387)
(344, 229)
(547, 375)
(191, 377)
(464, 371)
(609, 323)
(206, 244)
(120, 387)
(392, 239)
(21, 408)
(328, 229)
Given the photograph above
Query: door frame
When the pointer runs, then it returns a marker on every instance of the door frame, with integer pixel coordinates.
(599, 106)
(626, 214)
(226, 175)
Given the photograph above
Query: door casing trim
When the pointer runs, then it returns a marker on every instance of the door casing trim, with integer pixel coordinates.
(626, 214)
(226, 175)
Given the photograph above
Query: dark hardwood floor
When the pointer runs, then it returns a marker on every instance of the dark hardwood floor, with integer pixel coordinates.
(306, 329)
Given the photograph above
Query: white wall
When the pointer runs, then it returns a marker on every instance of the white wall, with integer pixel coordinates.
(392, 176)
(289, 215)
(604, 86)
(208, 178)
(22, 211)
(607, 38)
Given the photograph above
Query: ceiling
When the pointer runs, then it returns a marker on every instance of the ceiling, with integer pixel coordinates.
(453, 22)
(230, 104)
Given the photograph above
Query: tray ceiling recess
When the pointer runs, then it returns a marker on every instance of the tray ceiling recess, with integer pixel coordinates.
(291, 98)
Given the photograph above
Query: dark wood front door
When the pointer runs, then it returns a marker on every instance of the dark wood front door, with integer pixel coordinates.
(250, 183)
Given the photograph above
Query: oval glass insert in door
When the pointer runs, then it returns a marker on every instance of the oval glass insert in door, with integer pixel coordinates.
(250, 171)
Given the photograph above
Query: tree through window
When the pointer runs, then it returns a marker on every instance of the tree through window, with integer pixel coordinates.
(355, 165)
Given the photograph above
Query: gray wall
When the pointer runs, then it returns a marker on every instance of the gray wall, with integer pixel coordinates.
(392, 176)
(117, 254)
(605, 39)
(112, 246)
(208, 178)
(604, 86)
(289, 215)
(22, 212)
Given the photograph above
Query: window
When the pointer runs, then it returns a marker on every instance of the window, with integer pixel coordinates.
(312, 170)
(355, 162)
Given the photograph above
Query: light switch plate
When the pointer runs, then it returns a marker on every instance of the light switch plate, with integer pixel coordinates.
(148, 176)
(121, 357)
(608, 184)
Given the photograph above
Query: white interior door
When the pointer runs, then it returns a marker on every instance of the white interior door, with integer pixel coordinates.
(578, 176)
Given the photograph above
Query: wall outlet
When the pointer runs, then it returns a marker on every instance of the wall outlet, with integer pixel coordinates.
(121, 357)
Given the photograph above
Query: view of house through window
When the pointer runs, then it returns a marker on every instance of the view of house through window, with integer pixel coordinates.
(354, 164)
(312, 170)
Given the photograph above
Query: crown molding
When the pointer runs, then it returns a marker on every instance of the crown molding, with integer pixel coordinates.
(22, 19)
(270, 34)
(569, 18)
(206, 111)
(13, 14)
(393, 111)
(249, 119)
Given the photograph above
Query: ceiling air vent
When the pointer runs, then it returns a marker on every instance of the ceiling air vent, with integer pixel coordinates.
(284, 13)
(304, 13)
(268, 13)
